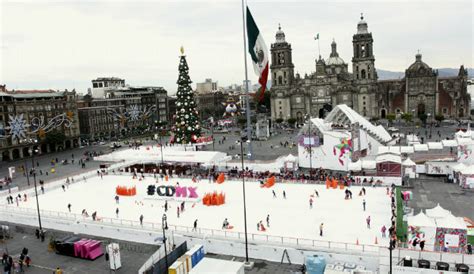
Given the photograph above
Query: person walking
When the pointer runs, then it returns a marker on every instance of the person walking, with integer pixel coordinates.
(310, 203)
(422, 244)
(195, 225)
(117, 212)
(117, 198)
(42, 189)
(141, 219)
(284, 194)
(363, 204)
(274, 194)
(268, 220)
(384, 229)
(321, 226)
(368, 222)
(69, 207)
(177, 211)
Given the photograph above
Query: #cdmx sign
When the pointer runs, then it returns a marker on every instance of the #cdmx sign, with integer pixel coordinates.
(173, 191)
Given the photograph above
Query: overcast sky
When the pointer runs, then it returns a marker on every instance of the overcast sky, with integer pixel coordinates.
(66, 44)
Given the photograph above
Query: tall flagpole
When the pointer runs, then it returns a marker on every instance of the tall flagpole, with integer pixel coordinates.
(249, 135)
(247, 95)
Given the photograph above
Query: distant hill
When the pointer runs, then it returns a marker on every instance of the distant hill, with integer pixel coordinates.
(443, 72)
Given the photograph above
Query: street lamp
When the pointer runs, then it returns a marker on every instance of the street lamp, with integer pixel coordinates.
(241, 141)
(164, 225)
(308, 117)
(32, 152)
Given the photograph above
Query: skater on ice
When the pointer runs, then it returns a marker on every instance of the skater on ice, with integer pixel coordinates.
(310, 203)
(368, 222)
(321, 226)
(69, 207)
(284, 194)
(363, 204)
(268, 220)
(195, 225)
(274, 194)
(117, 212)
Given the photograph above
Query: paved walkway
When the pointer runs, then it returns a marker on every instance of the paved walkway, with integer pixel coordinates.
(44, 261)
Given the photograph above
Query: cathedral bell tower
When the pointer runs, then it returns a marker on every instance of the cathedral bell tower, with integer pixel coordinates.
(363, 61)
(281, 67)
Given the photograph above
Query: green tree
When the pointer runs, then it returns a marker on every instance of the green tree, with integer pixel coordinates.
(439, 117)
(186, 128)
(291, 121)
(242, 121)
(390, 117)
(423, 117)
(407, 117)
(279, 120)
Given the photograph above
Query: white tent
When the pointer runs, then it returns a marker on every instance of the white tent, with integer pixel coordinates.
(420, 147)
(408, 162)
(421, 220)
(357, 166)
(468, 170)
(369, 164)
(458, 167)
(435, 145)
(291, 158)
(407, 149)
(451, 222)
(449, 143)
(388, 158)
(438, 212)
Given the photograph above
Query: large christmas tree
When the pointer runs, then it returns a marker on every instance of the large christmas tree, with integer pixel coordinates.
(186, 128)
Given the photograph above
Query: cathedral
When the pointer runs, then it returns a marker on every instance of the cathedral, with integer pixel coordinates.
(420, 92)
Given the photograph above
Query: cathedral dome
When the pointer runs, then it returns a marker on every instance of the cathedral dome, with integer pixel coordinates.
(334, 58)
(419, 68)
(280, 35)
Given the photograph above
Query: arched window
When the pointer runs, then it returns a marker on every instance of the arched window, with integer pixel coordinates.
(280, 80)
(362, 74)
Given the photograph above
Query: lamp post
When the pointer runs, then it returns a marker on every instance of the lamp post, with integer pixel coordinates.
(32, 152)
(243, 192)
(164, 225)
(308, 117)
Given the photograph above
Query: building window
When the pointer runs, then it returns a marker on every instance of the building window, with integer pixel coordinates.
(445, 111)
(362, 74)
(279, 102)
(398, 110)
(298, 100)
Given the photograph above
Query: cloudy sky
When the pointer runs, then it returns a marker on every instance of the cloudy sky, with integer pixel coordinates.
(66, 44)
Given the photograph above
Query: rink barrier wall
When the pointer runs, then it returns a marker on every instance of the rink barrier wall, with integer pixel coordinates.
(17, 215)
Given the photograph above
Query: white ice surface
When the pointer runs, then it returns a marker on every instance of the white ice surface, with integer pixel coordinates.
(344, 220)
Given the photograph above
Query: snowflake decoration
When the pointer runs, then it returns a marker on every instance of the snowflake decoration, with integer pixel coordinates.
(134, 112)
(17, 126)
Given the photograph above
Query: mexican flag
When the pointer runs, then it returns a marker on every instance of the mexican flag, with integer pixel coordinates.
(258, 51)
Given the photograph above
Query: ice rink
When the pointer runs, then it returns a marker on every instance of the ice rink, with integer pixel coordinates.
(344, 220)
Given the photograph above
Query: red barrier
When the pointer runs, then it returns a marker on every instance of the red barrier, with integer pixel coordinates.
(220, 178)
(126, 191)
(270, 182)
(213, 199)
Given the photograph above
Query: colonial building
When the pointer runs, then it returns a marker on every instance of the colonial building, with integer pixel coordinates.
(37, 120)
(113, 109)
(420, 91)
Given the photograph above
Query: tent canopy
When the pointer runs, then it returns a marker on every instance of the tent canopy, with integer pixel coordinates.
(435, 145)
(467, 170)
(408, 162)
(458, 167)
(357, 166)
(388, 158)
(421, 220)
(449, 143)
(451, 222)
(438, 212)
(369, 164)
(420, 147)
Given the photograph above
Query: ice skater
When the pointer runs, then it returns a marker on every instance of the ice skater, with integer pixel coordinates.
(368, 222)
(321, 226)
(117, 198)
(195, 225)
(141, 219)
(64, 188)
(363, 204)
(284, 194)
(177, 211)
(225, 224)
(317, 193)
(311, 203)
(262, 228)
(69, 207)
(117, 212)
(166, 206)
(274, 194)
(268, 220)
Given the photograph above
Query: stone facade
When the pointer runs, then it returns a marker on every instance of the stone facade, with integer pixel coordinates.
(36, 114)
(421, 90)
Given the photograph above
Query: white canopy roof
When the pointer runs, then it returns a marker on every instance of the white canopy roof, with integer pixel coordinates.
(407, 149)
(467, 170)
(290, 158)
(421, 220)
(435, 145)
(451, 222)
(369, 164)
(408, 162)
(357, 166)
(458, 167)
(420, 147)
(389, 149)
(438, 212)
(465, 141)
(388, 158)
(449, 143)
(211, 265)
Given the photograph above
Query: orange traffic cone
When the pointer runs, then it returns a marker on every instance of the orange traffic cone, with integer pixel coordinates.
(376, 241)
(357, 242)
